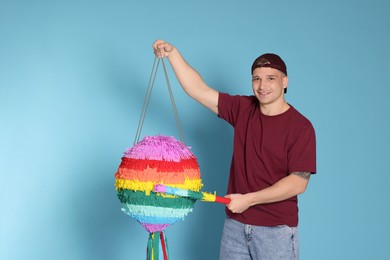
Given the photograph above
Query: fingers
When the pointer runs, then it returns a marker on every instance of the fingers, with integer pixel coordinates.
(162, 48)
(157, 45)
(237, 203)
(229, 206)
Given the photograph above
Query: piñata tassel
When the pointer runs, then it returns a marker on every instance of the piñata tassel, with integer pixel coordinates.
(153, 250)
(156, 249)
(164, 245)
(149, 247)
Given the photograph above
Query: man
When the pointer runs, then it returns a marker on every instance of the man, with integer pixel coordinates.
(273, 158)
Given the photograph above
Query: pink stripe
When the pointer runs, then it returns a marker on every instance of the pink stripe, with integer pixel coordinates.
(151, 228)
(159, 147)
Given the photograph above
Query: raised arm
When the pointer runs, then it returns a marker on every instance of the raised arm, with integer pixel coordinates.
(189, 78)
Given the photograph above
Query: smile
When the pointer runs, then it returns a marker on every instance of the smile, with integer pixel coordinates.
(263, 93)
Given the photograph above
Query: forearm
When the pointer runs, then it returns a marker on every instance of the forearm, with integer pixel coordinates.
(187, 76)
(290, 186)
(192, 82)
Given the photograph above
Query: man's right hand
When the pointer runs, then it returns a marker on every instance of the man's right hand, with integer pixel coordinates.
(162, 48)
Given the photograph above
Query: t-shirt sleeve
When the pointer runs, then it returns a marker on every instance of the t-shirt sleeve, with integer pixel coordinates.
(302, 156)
(228, 107)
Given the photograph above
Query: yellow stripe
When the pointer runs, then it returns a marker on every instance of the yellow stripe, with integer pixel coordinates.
(147, 187)
(208, 197)
(153, 247)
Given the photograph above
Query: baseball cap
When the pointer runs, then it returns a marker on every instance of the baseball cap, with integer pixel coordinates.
(270, 60)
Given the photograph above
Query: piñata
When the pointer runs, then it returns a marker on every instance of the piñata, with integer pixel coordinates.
(157, 160)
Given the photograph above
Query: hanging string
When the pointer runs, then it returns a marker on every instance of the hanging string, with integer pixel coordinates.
(173, 105)
(147, 100)
(152, 78)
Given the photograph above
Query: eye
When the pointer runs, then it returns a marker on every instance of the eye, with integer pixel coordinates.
(271, 78)
(255, 79)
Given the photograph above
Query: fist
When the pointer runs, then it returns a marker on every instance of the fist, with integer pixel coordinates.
(162, 49)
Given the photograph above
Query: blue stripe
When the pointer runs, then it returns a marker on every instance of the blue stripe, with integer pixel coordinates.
(155, 220)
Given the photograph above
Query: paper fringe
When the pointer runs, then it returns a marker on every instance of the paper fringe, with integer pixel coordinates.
(148, 187)
(154, 212)
(157, 176)
(138, 198)
(159, 147)
(161, 165)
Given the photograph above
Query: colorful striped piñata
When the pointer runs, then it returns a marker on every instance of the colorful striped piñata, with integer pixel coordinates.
(157, 160)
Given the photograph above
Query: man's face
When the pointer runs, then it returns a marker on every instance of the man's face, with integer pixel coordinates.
(268, 85)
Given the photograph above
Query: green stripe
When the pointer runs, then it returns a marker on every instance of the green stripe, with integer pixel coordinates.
(140, 198)
(195, 195)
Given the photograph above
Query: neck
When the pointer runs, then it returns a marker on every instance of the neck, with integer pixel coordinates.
(274, 109)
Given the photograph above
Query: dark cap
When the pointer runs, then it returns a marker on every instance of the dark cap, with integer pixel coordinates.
(270, 60)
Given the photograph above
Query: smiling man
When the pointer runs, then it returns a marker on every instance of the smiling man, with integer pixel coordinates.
(274, 155)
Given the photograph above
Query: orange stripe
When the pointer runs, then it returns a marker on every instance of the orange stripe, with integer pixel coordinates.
(152, 174)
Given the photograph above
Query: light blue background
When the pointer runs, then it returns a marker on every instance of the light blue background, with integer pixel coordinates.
(73, 75)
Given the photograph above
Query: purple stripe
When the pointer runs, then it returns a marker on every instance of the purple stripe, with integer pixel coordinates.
(151, 228)
(159, 147)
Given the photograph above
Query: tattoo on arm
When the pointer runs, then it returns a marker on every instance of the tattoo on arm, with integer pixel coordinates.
(305, 175)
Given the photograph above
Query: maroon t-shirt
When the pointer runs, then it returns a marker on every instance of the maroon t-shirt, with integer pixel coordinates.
(266, 149)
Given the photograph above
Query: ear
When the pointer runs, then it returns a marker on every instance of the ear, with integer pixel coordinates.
(285, 82)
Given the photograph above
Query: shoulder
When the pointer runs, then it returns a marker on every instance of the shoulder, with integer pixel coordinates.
(299, 117)
(233, 108)
(240, 100)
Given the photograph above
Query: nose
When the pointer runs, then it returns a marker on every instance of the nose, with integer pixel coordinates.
(259, 84)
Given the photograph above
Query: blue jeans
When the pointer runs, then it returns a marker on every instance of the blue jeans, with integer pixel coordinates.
(247, 242)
